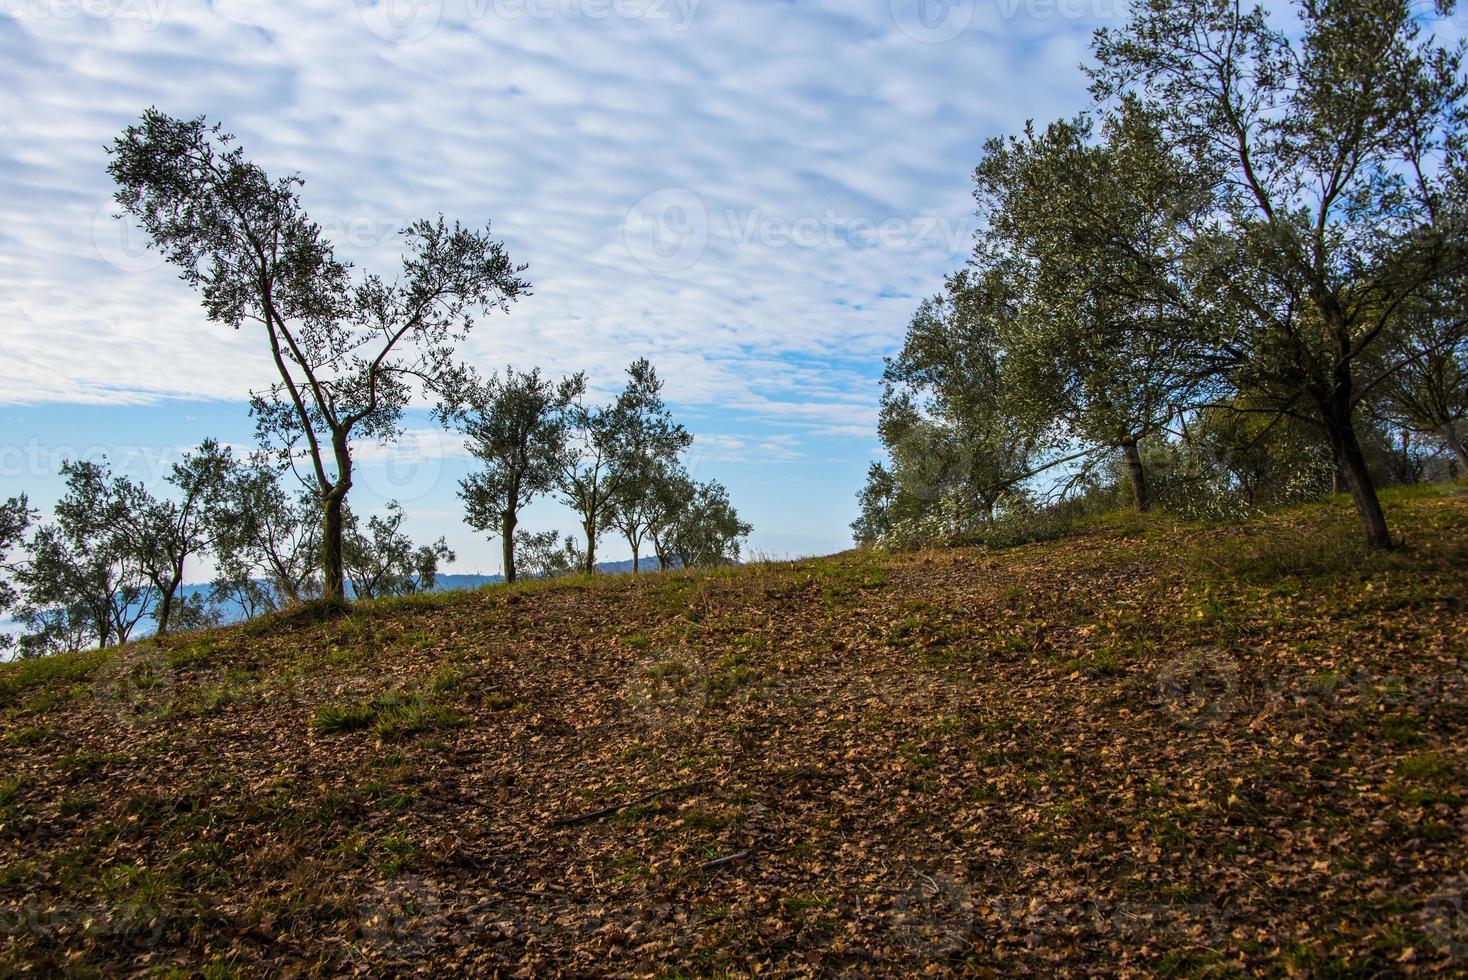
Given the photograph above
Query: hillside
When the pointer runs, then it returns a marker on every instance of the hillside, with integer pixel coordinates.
(1148, 747)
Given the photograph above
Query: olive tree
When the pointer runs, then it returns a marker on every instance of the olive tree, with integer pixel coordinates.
(1338, 148)
(349, 351)
(1069, 211)
(1424, 388)
(516, 427)
(266, 540)
(15, 518)
(613, 448)
(165, 534)
(383, 561)
(84, 582)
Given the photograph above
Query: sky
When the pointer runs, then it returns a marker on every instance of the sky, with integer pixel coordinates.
(755, 195)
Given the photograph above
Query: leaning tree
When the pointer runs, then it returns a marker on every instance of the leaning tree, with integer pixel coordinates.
(1338, 143)
(350, 350)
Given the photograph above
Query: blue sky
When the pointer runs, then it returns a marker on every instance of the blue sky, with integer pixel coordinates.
(755, 195)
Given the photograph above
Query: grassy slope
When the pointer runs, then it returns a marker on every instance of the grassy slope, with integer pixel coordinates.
(1149, 747)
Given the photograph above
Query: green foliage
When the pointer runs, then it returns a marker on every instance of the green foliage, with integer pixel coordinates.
(266, 542)
(517, 429)
(86, 582)
(15, 518)
(615, 455)
(349, 354)
(1248, 251)
(383, 561)
(544, 554)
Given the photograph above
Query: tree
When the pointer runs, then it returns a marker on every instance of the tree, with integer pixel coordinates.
(15, 518)
(1260, 454)
(1083, 351)
(517, 428)
(708, 531)
(348, 354)
(876, 499)
(646, 500)
(612, 447)
(1425, 385)
(164, 534)
(957, 441)
(84, 581)
(1339, 161)
(383, 561)
(545, 555)
(266, 543)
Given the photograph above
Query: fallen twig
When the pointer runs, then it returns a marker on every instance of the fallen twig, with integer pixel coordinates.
(607, 811)
(726, 859)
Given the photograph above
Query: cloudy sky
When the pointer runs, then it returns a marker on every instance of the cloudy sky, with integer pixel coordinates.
(754, 194)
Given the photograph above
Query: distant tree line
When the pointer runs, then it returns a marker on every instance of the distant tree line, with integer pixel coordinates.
(115, 555)
(351, 351)
(1236, 278)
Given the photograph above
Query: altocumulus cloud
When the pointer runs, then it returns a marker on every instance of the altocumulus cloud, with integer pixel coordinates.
(752, 194)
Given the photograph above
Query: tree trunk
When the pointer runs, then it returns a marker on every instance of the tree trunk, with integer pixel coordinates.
(507, 542)
(333, 572)
(1351, 463)
(165, 611)
(634, 555)
(1455, 443)
(165, 607)
(1138, 475)
(589, 527)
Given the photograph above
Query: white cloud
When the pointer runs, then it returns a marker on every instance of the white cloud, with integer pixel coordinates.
(820, 118)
